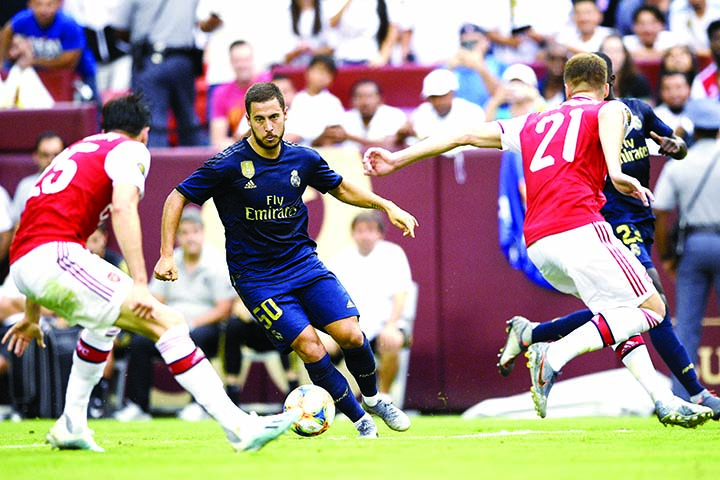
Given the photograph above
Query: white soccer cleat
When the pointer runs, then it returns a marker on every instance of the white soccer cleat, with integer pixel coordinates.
(393, 417)
(514, 345)
(257, 431)
(682, 413)
(62, 437)
(366, 427)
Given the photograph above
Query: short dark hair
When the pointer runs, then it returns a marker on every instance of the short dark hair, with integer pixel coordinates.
(652, 10)
(237, 43)
(327, 60)
(713, 27)
(365, 81)
(369, 216)
(47, 135)
(128, 113)
(263, 92)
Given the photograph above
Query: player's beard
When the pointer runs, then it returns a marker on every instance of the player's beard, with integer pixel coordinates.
(266, 145)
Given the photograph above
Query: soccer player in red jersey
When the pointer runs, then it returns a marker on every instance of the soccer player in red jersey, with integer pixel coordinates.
(98, 178)
(567, 153)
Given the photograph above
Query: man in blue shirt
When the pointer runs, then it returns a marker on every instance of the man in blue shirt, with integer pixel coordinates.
(257, 186)
(58, 42)
(634, 224)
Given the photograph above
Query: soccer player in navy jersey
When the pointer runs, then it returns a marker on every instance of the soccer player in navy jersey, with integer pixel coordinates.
(257, 186)
(634, 224)
(568, 152)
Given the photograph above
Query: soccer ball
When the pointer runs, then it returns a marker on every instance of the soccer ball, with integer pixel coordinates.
(317, 406)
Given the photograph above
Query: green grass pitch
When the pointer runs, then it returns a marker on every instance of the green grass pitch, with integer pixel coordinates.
(436, 447)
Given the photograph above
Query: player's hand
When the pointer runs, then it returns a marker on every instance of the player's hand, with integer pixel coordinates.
(21, 334)
(378, 162)
(403, 220)
(141, 301)
(166, 269)
(668, 145)
(630, 186)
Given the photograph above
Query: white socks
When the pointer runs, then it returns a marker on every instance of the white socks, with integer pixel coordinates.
(608, 328)
(196, 375)
(89, 359)
(640, 365)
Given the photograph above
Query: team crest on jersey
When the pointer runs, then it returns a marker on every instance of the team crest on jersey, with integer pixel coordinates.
(113, 277)
(294, 179)
(142, 168)
(248, 168)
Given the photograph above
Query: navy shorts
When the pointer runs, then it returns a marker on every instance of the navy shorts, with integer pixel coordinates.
(317, 298)
(638, 238)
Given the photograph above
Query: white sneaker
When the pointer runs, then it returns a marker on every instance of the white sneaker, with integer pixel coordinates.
(257, 431)
(366, 427)
(390, 414)
(193, 412)
(131, 413)
(62, 437)
(679, 412)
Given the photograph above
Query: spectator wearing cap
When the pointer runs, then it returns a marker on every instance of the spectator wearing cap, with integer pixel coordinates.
(517, 95)
(442, 111)
(477, 69)
(690, 186)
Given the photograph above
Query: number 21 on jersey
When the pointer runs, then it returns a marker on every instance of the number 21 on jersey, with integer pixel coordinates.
(548, 127)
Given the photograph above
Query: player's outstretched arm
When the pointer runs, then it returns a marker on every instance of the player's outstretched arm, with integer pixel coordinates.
(351, 194)
(379, 162)
(165, 268)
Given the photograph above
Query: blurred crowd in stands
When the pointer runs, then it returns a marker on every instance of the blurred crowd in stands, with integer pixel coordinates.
(194, 59)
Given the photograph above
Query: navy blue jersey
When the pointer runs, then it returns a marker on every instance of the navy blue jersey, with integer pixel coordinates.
(259, 201)
(635, 159)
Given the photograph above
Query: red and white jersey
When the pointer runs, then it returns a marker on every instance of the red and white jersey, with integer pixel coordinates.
(73, 195)
(563, 163)
(705, 84)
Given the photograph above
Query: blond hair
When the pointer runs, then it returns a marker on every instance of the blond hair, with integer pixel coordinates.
(585, 71)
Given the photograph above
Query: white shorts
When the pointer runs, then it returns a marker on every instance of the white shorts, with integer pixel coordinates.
(78, 285)
(591, 263)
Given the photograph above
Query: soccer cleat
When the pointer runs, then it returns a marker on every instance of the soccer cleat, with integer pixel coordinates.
(393, 417)
(682, 413)
(256, 431)
(708, 399)
(514, 346)
(62, 437)
(542, 375)
(366, 427)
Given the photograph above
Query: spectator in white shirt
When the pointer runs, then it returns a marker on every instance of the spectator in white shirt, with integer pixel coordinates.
(649, 39)
(584, 34)
(370, 122)
(315, 116)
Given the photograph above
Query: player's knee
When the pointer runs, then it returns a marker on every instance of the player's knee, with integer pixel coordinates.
(309, 347)
(655, 304)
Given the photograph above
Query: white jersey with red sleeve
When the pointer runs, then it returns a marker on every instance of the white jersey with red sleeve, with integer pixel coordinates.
(563, 163)
(74, 193)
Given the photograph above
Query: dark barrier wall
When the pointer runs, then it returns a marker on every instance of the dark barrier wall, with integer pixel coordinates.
(467, 290)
